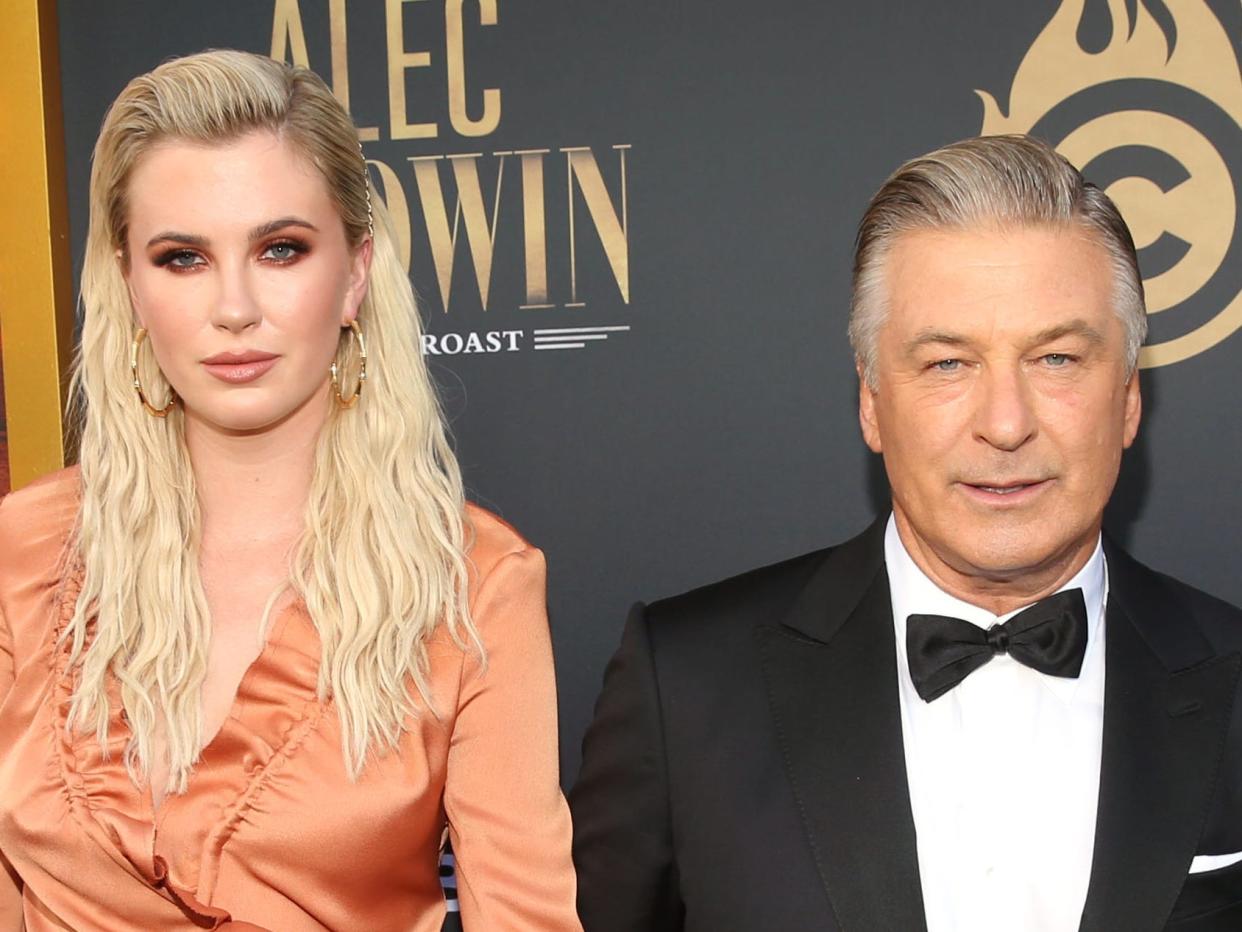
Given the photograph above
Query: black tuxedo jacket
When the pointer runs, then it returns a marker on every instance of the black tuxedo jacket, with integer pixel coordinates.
(745, 768)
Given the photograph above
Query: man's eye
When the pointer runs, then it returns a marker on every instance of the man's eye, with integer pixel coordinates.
(1058, 360)
(947, 365)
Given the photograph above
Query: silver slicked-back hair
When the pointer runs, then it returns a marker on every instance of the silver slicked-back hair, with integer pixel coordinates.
(987, 181)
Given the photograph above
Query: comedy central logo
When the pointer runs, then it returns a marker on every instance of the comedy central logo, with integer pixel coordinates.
(1155, 118)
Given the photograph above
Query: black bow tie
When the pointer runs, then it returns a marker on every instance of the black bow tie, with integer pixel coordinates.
(1050, 636)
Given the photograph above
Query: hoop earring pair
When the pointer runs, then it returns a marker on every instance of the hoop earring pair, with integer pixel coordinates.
(352, 400)
(355, 330)
(152, 410)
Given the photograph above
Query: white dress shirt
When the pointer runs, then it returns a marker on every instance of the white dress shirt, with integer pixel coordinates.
(1004, 770)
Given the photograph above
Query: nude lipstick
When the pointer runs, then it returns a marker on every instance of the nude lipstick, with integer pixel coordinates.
(239, 368)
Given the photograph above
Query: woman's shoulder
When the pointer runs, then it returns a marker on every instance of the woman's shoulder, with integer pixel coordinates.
(508, 591)
(492, 540)
(35, 523)
(490, 537)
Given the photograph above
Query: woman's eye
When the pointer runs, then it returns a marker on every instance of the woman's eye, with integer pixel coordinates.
(179, 259)
(283, 252)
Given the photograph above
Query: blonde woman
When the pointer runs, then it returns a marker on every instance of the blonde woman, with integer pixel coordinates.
(257, 656)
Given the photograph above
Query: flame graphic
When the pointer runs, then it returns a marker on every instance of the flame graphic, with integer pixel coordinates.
(1056, 66)
(1201, 211)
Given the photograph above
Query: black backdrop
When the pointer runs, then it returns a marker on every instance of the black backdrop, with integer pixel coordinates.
(718, 431)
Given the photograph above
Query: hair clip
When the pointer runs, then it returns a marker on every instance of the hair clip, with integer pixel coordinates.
(366, 186)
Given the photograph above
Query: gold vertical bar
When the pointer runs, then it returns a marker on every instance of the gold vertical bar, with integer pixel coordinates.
(36, 297)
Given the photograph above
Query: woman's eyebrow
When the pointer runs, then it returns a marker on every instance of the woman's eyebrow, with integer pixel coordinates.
(272, 226)
(190, 239)
(265, 229)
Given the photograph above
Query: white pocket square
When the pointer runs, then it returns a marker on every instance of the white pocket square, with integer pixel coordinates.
(1213, 862)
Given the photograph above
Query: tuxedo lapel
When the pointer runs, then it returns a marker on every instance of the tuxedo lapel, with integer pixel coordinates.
(1167, 705)
(831, 677)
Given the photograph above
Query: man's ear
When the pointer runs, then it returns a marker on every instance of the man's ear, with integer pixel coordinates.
(866, 410)
(359, 279)
(1133, 409)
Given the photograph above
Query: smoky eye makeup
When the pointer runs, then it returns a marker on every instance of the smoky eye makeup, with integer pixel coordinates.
(284, 250)
(281, 251)
(176, 258)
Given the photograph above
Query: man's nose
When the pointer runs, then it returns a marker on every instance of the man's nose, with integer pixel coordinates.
(1005, 416)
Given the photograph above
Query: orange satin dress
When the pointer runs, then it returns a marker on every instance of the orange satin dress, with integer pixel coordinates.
(271, 833)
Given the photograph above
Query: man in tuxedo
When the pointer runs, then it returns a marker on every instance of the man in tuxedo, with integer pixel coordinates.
(979, 715)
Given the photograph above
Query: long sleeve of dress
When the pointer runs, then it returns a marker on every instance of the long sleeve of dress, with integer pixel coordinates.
(273, 831)
(508, 820)
(10, 885)
(6, 657)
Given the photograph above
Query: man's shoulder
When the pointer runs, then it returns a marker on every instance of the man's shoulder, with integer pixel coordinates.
(1149, 591)
(760, 597)
(1219, 621)
(762, 587)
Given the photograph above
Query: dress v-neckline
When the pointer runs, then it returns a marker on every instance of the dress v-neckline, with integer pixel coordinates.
(236, 709)
(275, 706)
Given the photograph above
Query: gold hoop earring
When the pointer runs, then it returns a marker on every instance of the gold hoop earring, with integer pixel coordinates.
(362, 369)
(133, 369)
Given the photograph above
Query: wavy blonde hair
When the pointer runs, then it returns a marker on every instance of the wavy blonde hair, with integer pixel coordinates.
(382, 559)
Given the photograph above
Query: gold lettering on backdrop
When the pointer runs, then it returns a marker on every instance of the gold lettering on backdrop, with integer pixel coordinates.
(613, 230)
(393, 196)
(455, 54)
(400, 61)
(340, 63)
(288, 36)
(534, 229)
(289, 45)
(607, 205)
(480, 235)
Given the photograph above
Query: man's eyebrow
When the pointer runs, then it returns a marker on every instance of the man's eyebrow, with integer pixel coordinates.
(931, 336)
(1072, 328)
(272, 226)
(258, 233)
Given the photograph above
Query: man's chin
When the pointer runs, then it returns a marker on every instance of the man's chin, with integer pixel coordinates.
(1011, 558)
